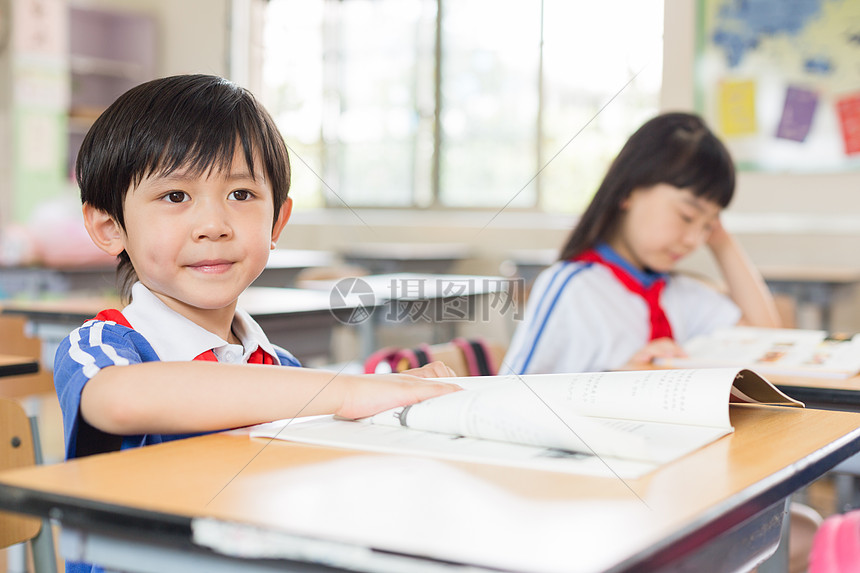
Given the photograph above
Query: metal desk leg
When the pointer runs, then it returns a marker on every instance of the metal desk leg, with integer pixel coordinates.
(778, 562)
(44, 556)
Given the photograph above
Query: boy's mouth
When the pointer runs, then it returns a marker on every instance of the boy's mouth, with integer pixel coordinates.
(213, 266)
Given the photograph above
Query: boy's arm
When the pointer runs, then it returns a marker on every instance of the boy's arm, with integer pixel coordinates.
(186, 397)
(746, 285)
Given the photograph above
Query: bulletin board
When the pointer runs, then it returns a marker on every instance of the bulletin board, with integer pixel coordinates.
(779, 81)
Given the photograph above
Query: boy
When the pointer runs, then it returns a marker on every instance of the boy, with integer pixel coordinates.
(185, 180)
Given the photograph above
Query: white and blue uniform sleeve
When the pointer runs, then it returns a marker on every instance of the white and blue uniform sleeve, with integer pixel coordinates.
(286, 358)
(88, 349)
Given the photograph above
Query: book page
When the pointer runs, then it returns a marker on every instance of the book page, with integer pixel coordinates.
(657, 444)
(648, 417)
(790, 352)
(696, 397)
(750, 387)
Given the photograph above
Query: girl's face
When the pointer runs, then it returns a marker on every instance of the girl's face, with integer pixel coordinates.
(662, 224)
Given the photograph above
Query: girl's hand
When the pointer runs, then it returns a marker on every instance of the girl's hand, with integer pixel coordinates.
(374, 393)
(657, 348)
(435, 369)
(718, 236)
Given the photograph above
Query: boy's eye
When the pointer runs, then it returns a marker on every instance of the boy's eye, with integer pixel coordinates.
(176, 197)
(240, 195)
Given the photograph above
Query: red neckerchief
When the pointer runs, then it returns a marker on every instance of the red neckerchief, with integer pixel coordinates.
(660, 327)
(259, 356)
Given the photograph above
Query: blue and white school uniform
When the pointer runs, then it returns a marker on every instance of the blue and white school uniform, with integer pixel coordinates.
(581, 318)
(153, 332)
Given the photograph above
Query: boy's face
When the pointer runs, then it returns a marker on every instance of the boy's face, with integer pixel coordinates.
(662, 224)
(198, 242)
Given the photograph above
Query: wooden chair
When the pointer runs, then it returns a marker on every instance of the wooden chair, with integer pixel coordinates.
(18, 448)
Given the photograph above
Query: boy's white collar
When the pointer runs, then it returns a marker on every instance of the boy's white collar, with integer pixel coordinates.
(175, 338)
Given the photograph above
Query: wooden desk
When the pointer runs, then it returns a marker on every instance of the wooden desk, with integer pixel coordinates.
(300, 320)
(284, 265)
(828, 393)
(17, 365)
(442, 300)
(528, 263)
(281, 270)
(384, 258)
(717, 509)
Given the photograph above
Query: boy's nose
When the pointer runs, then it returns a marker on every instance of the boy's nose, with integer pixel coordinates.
(212, 223)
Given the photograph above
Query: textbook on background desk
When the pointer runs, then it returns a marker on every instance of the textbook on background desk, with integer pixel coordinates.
(622, 424)
(782, 351)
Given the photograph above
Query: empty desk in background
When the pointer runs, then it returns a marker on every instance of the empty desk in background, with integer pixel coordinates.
(384, 258)
(36, 281)
(300, 320)
(284, 265)
(281, 271)
(17, 365)
(441, 300)
(323, 509)
(816, 287)
(821, 392)
(20, 374)
(528, 263)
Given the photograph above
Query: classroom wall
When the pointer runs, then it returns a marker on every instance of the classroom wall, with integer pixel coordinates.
(809, 220)
(193, 34)
(781, 219)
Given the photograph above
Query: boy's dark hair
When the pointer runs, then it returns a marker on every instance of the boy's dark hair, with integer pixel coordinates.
(673, 148)
(185, 121)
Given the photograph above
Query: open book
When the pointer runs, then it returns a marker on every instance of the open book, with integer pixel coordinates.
(608, 423)
(777, 351)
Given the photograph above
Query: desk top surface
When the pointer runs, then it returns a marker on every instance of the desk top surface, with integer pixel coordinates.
(299, 258)
(417, 286)
(467, 513)
(838, 393)
(277, 300)
(407, 251)
(256, 300)
(806, 273)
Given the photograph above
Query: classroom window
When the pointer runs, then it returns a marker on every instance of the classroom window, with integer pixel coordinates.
(462, 104)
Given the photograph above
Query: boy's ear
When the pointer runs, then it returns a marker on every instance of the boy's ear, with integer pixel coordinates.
(103, 230)
(281, 221)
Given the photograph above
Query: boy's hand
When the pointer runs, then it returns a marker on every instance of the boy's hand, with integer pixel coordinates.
(657, 348)
(374, 393)
(435, 369)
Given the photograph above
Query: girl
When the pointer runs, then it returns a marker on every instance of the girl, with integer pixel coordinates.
(611, 300)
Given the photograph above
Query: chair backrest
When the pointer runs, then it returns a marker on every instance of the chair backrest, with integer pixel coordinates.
(16, 450)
